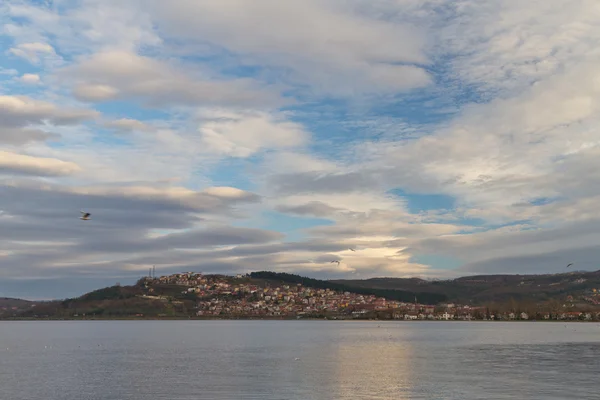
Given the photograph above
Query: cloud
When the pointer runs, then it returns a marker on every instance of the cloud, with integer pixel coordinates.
(393, 228)
(512, 149)
(8, 71)
(243, 134)
(18, 111)
(128, 124)
(95, 93)
(312, 208)
(32, 52)
(82, 26)
(314, 182)
(30, 79)
(205, 239)
(113, 24)
(121, 198)
(13, 163)
(542, 263)
(231, 193)
(515, 250)
(327, 44)
(20, 136)
(505, 46)
(218, 237)
(124, 222)
(21, 118)
(123, 75)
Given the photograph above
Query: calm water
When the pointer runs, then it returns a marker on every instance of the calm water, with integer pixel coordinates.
(175, 360)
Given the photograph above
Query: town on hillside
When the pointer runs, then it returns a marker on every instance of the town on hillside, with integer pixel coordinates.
(224, 296)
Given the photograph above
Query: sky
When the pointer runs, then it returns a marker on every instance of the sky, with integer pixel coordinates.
(435, 138)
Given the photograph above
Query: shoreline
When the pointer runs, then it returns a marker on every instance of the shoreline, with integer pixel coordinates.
(279, 319)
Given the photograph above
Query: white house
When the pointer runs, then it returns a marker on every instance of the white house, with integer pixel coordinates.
(524, 315)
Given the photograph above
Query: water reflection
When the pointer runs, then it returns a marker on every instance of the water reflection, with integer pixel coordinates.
(377, 365)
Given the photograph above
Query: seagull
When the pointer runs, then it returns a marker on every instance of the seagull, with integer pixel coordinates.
(85, 216)
(351, 249)
(336, 261)
(569, 265)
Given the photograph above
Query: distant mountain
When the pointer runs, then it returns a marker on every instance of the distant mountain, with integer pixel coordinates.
(480, 289)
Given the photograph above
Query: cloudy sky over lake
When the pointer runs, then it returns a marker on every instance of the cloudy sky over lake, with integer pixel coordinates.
(436, 138)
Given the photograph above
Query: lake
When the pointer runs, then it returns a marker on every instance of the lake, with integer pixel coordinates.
(177, 360)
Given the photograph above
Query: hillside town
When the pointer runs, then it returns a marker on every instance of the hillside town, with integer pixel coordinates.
(231, 297)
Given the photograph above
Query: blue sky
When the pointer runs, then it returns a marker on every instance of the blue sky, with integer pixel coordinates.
(437, 141)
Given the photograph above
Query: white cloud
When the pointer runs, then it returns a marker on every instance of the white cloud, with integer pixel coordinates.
(114, 24)
(13, 163)
(32, 52)
(287, 161)
(325, 43)
(83, 25)
(11, 71)
(345, 202)
(22, 119)
(116, 75)
(128, 124)
(228, 192)
(243, 134)
(95, 93)
(22, 110)
(534, 141)
(30, 79)
(507, 45)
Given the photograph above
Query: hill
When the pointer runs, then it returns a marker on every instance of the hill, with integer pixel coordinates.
(481, 289)
(114, 302)
(9, 306)
(266, 294)
(261, 294)
(390, 293)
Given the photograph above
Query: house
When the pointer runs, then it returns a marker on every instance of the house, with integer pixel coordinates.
(524, 315)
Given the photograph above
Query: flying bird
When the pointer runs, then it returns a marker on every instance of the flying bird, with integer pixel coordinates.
(85, 215)
(336, 261)
(569, 265)
(351, 249)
